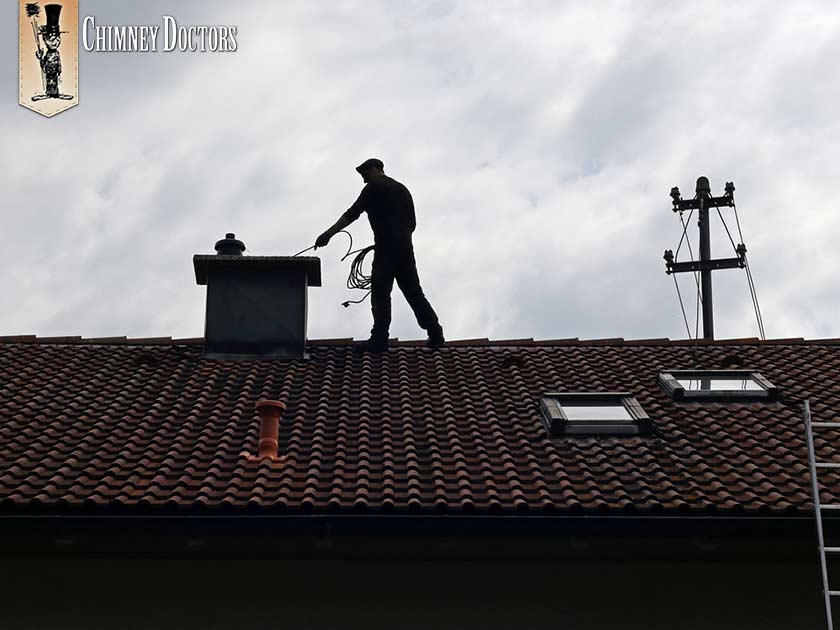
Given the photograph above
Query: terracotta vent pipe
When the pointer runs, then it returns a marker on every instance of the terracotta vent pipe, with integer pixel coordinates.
(270, 412)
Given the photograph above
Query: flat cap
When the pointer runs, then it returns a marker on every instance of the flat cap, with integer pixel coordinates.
(369, 163)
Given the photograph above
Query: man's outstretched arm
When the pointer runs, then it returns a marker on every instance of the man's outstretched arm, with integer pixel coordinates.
(339, 225)
(350, 215)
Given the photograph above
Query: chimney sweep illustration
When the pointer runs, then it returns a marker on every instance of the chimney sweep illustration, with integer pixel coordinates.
(49, 59)
(390, 211)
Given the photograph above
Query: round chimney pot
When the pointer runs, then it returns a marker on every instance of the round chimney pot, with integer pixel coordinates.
(270, 405)
(230, 246)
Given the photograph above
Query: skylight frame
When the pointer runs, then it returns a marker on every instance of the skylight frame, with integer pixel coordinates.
(559, 424)
(669, 382)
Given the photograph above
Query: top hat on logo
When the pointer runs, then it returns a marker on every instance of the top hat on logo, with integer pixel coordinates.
(53, 12)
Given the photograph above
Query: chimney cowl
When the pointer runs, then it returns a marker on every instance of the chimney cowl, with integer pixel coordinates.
(269, 412)
(229, 246)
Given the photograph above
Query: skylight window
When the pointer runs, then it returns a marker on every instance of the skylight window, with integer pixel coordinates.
(590, 413)
(716, 385)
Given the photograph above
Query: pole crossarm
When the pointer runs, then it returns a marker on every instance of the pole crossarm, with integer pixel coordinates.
(701, 265)
(704, 198)
(708, 202)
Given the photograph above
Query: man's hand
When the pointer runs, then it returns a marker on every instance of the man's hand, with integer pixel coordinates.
(323, 240)
(339, 225)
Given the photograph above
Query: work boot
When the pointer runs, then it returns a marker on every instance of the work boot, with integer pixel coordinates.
(371, 345)
(435, 339)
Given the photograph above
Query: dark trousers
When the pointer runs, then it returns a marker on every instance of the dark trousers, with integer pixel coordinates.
(397, 263)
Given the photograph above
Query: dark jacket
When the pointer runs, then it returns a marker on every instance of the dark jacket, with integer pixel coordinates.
(390, 210)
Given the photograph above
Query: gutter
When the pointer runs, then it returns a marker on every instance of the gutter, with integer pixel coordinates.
(364, 537)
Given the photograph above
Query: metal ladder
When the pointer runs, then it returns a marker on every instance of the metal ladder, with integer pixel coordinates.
(815, 491)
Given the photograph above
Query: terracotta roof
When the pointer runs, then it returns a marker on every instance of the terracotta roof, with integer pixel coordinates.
(150, 424)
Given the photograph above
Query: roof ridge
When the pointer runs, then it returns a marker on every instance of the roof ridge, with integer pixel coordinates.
(474, 342)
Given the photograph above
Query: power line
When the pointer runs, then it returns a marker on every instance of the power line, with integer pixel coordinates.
(750, 280)
(682, 306)
(699, 297)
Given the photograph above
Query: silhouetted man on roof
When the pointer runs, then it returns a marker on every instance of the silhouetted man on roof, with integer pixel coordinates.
(390, 210)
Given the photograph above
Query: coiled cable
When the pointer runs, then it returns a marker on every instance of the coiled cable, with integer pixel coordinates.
(357, 278)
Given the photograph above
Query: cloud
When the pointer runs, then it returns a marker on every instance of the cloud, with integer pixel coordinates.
(539, 143)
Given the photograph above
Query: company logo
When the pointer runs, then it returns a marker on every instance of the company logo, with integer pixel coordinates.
(48, 40)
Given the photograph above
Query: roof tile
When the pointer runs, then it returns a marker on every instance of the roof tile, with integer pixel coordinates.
(152, 423)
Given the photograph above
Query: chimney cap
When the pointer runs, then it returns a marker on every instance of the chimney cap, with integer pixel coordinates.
(229, 246)
(311, 265)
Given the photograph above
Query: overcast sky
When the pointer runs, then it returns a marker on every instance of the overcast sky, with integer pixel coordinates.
(540, 141)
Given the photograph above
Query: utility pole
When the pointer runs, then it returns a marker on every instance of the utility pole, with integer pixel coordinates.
(704, 193)
(702, 201)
